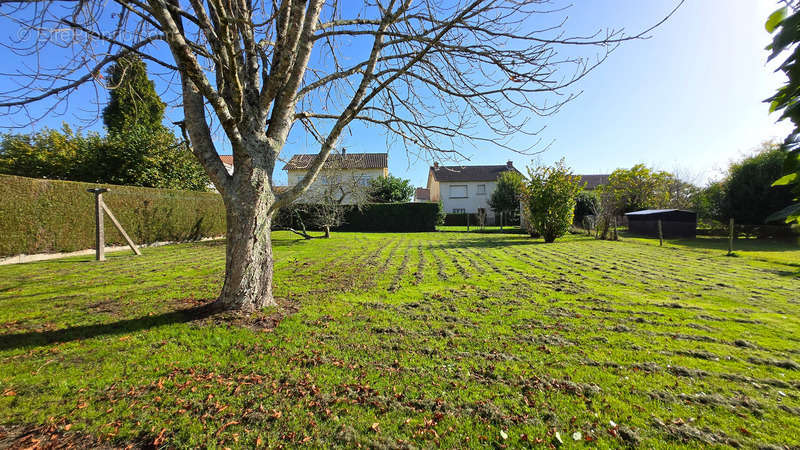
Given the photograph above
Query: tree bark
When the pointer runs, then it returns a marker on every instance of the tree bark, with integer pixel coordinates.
(248, 257)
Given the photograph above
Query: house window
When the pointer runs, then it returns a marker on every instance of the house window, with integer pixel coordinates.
(363, 180)
(481, 189)
(459, 210)
(458, 191)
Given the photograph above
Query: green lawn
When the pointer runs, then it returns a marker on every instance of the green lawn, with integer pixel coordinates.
(409, 340)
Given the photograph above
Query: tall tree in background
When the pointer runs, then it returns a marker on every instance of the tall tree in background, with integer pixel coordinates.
(139, 150)
(133, 101)
(435, 76)
(507, 193)
(785, 25)
(747, 192)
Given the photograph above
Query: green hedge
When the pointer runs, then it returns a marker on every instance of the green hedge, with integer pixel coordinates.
(402, 217)
(394, 217)
(58, 216)
(460, 219)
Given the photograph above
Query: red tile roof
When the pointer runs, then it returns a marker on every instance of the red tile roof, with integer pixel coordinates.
(347, 161)
(226, 159)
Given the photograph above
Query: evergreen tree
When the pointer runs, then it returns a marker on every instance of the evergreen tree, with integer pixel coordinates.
(133, 98)
(506, 195)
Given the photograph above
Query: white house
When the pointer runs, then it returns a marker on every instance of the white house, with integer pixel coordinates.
(465, 189)
(349, 172)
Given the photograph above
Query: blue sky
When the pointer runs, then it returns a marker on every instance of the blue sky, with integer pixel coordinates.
(687, 99)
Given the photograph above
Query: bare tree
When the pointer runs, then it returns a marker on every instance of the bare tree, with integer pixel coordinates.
(435, 75)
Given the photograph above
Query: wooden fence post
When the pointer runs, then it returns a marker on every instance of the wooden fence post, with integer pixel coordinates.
(99, 230)
(122, 230)
(660, 234)
(730, 238)
(99, 233)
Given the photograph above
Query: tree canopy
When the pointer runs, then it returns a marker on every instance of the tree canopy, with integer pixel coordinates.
(507, 193)
(136, 151)
(133, 100)
(747, 192)
(785, 25)
(390, 189)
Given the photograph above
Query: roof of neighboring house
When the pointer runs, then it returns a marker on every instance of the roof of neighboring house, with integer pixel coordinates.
(346, 161)
(226, 159)
(469, 173)
(593, 181)
(422, 194)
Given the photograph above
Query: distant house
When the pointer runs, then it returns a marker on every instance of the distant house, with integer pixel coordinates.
(347, 171)
(227, 161)
(422, 195)
(465, 189)
(593, 181)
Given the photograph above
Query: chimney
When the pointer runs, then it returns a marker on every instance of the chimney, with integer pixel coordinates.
(510, 164)
(436, 165)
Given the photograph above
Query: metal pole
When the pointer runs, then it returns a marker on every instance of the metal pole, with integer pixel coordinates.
(730, 238)
(99, 232)
(660, 234)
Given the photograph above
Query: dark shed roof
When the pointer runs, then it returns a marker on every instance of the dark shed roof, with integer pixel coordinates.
(469, 173)
(648, 212)
(678, 215)
(346, 161)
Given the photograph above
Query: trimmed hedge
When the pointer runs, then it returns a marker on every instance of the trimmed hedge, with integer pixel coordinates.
(58, 216)
(460, 219)
(393, 217)
(402, 217)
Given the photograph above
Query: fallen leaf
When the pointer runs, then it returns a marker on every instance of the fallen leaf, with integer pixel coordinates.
(503, 435)
(576, 436)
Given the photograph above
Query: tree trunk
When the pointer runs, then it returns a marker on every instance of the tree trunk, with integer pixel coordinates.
(248, 258)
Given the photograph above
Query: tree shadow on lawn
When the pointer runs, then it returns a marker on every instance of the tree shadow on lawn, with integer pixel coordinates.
(40, 338)
(492, 243)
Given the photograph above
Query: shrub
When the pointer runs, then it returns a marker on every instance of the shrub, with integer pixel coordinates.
(585, 205)
(58, 216)
(550, 200)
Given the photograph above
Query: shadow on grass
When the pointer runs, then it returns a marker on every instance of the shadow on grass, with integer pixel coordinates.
(721, 243)
(39, 338)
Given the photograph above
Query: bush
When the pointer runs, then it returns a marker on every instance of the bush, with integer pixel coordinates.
(550, 200)
(585, 205)
(58, 216)
(394, 217)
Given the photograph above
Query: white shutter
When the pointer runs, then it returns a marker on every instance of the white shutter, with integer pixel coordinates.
(458, 191)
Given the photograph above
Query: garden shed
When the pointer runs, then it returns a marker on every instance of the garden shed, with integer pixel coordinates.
(674, 222)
